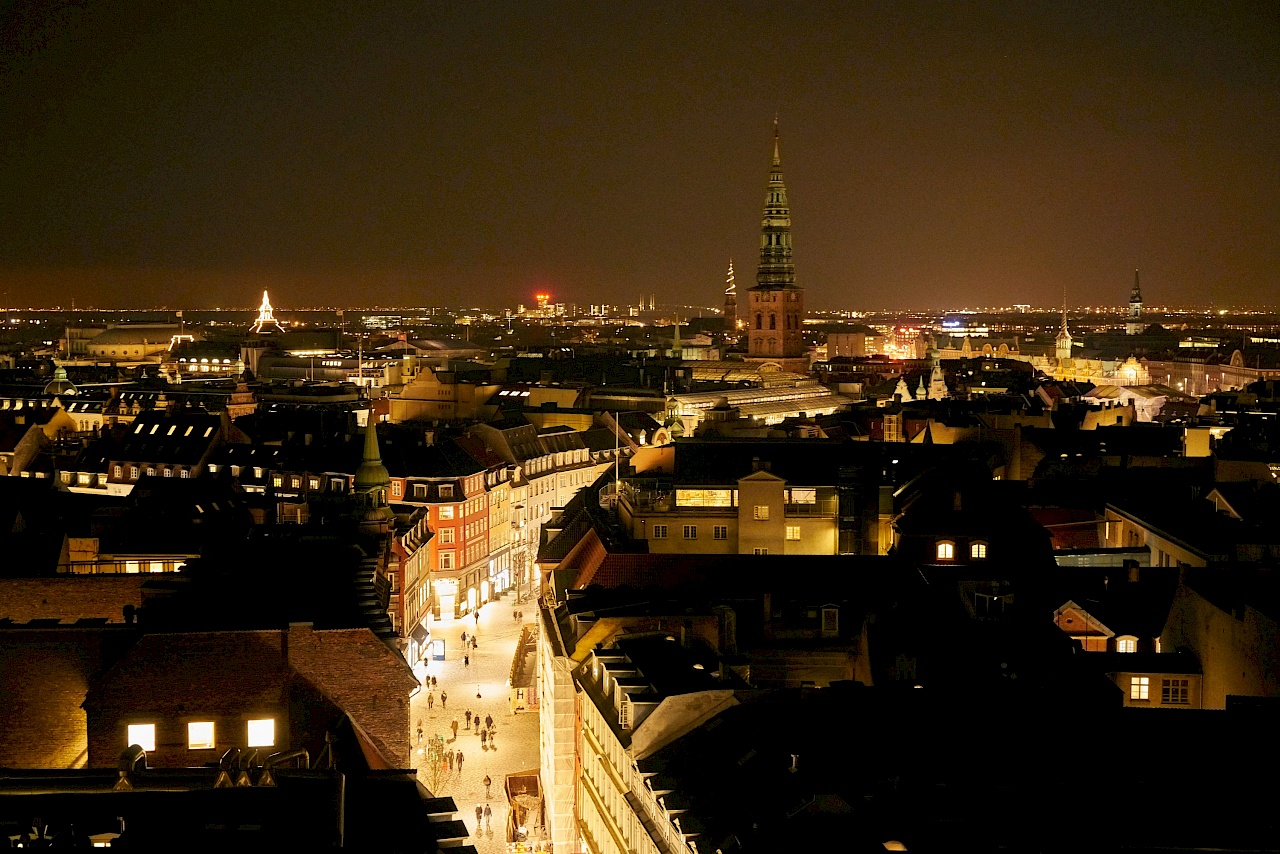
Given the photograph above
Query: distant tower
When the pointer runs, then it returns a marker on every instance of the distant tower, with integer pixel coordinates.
(1134, 326)
(730, 304)
(372, 481)
(776, 304)
(1064, 337)
(266, 319)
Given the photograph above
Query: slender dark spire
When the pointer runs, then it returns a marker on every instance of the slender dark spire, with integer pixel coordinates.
(776, 269)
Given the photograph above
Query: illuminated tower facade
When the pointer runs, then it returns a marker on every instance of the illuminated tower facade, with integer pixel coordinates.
(776, 305)
(1134, 326)
(266, 321)
(730, 304)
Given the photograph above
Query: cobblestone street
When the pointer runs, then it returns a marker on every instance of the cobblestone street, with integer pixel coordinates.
(516, 735)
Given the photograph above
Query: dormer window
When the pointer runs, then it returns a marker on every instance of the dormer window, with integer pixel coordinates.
(1126, 643)
(946, 550)
(977, 551)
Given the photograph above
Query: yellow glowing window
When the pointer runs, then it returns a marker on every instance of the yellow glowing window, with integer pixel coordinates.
(978, 551)
(760, 511)
(946, 551)
(446, 512)
(143, 735)
(793, 532)
(1140, 688)
(262, 732)
(1126, 644)
(200, 735)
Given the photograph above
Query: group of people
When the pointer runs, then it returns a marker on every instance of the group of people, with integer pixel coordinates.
(450, 758)
(486, 732)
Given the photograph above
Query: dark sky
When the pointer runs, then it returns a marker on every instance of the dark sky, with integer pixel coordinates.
(415, 153)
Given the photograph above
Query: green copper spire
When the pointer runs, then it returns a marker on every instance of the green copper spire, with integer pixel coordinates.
(372, 474)
(776, 269)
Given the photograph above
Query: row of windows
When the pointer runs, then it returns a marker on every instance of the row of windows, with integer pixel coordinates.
(1173, 692)
(946, 550)
(259, 732)
(788, 321)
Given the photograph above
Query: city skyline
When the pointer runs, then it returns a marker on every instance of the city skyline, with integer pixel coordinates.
(937, 156)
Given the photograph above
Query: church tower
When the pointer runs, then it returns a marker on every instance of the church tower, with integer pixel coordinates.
(730, 305)
(776, 305)
(1134, 326)
(1064, 337)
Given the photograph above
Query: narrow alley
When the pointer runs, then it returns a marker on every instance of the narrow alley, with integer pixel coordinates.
(480, 687)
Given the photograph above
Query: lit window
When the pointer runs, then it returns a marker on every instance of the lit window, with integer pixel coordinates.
(168, 472)
(446, 512)
(978, 551)
(277, 480)
(143, 735)
(691, 532)
(946, 551)
(117, 471)
(720, 532)
(184, 473)
(760, 511)
(257, 471)
(313, 483)
(133, 472)
(151, 471)
(793, 532)
(262, 733)
(200, 735)
(659, 532)
(446, 560)
(446, 536)
(1126, 643)
(1139, 687)
(1175, 692)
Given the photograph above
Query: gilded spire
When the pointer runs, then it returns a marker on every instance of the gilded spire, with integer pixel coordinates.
(731, 288)
(777, 153)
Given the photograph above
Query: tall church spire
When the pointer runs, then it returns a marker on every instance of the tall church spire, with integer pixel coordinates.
(776, 303)
(1134, 326)
(730, 304)
(1064, 337)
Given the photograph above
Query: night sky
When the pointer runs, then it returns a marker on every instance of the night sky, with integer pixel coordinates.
(472, 153)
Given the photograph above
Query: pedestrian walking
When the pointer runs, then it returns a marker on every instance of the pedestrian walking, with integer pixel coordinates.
(464, 637)
(466, 661)
(431, 700)
(487, 783)
(475, 644)
(477, 617)
(443, 699)
(484, 737)
(435, 683)
(459, 761)
(492, 745)
(468, 720)
(488, 818)
(479, 815)
(450, 755)
(488, 721)
(515, 615)
(455, 728)
(419, 730)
